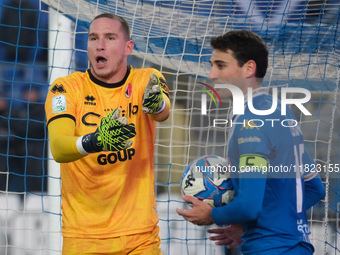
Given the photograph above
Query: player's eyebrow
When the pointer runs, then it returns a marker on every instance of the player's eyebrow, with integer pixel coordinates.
(217, 62)
(106, 34)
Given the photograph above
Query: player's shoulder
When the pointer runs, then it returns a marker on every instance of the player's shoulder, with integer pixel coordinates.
(263, 102)
(76, 77)
(145, 71)
(73, 81)
(142, 76)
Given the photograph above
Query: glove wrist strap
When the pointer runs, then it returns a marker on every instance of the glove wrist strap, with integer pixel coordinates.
(80, 147)
(85, 144)
(161, 108)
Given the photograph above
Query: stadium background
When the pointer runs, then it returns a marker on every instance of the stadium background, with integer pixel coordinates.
(172, 36)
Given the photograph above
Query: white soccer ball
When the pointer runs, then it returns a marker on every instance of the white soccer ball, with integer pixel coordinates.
(208, 179)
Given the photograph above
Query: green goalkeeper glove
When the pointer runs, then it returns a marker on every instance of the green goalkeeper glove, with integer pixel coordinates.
(153, 102)
(112, 134)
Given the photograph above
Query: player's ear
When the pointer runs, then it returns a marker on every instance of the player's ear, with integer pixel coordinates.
(249, 69)
(129, 47)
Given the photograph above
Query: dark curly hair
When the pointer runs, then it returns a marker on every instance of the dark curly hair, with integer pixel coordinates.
(245, 46)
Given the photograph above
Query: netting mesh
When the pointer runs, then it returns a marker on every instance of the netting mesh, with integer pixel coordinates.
(173, 36)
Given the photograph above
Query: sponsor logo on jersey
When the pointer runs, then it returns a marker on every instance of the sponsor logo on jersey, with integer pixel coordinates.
(114, 157)
(90, 100)
(92, 118)
(250, 139)
(127, 112)
(58, 88)
(128, 90)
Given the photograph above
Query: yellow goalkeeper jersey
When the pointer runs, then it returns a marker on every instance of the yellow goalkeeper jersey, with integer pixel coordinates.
(106, 194)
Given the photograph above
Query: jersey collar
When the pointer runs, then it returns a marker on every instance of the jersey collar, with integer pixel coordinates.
(110, 85)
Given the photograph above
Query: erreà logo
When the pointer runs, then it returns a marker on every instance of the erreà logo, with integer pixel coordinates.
(58, 88)
(90, 100)
(204, 97)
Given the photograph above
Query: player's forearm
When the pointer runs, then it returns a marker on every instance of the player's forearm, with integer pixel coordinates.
(314, 191)
(62, 141)
(64, 149)
(246, 206)
(162, 116)
(113, 134)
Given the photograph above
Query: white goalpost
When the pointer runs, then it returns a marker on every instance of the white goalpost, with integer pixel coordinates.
(174, 37)
(60, 43)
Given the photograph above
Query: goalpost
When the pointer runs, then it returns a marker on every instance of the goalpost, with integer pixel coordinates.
(174, 37)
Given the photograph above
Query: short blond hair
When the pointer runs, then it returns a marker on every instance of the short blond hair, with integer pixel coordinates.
(122, 21)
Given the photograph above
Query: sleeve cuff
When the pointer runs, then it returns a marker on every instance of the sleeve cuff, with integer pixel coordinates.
(80, 147)
(216, 216)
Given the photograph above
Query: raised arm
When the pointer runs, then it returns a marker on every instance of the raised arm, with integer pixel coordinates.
(156, 100)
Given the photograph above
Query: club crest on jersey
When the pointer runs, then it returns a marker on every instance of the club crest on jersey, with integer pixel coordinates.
(128, 90)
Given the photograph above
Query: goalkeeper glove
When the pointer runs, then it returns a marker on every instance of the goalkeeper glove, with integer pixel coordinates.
(153, 102)
(112, 134)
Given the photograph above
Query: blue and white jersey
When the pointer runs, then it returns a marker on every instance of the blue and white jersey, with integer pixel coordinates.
(269, 201)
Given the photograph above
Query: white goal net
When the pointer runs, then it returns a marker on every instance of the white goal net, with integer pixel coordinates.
(174, 37)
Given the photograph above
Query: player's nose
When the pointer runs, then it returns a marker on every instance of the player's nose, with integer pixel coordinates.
(100, 44)
(212, 74)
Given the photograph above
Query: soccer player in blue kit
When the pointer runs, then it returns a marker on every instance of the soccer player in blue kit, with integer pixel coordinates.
(269, 208)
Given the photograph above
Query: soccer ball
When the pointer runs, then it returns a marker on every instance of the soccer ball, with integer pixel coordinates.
(208, 179)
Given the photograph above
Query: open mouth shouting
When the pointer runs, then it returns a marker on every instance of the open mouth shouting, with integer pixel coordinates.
(101, 61)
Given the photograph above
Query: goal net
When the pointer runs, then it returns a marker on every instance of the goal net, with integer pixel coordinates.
(43, 39)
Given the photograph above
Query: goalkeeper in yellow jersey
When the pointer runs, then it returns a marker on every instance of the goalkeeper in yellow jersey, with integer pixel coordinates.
(101, 127)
